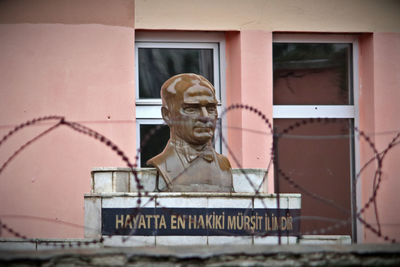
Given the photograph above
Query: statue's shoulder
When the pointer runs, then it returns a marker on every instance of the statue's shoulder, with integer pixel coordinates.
(162, 162)
(223, 162)
(161, 159)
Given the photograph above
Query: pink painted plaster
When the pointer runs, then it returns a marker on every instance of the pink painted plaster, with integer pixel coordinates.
(386, 91)
(256, 49)
(249, 82)
(234, 96)
(84, 72)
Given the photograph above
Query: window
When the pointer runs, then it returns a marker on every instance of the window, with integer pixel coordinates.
(160, 55)
(314, 78)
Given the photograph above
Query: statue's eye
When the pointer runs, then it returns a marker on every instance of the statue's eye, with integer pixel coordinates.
(190, 109)
(211, 109)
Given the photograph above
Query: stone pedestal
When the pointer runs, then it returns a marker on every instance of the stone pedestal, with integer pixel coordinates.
(112, 179)
(169, 203)
(114, 208)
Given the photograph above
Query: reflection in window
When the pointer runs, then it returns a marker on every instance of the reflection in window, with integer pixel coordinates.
(159, 64)
(317, 156)
(155, 143)
(312, 74)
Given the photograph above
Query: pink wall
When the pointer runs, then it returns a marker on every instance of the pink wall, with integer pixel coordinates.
(77, 60)
(379, 111)
(378, 108)
(367, 124)
(234, 96)
(81, 68)
(256, 48)
(249, 81)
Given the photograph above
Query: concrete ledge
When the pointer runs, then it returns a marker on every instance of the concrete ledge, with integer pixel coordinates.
(227, 255)
(18, 244)
(117, 179)
(325, 239)
(192, 194)
(96, 202)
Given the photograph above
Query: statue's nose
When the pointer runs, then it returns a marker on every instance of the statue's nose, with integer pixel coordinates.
(204, 115)
(204, 112)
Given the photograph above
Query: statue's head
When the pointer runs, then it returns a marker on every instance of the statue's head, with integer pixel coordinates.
(189, 107)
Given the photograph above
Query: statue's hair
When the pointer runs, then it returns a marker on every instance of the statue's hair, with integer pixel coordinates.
(179, 84)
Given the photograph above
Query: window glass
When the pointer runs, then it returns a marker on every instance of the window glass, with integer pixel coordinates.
(312, 74)
(155, 144)
(317, 156)
(160, 55)
(156, 65)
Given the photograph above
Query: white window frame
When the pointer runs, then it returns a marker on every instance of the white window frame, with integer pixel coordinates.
(148, 111)
(184, 45)
(329, 111)
(144, 122)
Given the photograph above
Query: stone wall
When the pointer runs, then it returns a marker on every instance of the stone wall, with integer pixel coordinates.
(117, 179)
(96, 202)
(350, 255)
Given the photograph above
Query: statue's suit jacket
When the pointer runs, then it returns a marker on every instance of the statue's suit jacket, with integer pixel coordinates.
(198, 175)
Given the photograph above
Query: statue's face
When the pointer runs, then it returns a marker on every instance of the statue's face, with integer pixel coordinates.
(194, 117)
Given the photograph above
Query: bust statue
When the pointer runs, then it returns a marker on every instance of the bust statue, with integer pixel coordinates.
(189, 162)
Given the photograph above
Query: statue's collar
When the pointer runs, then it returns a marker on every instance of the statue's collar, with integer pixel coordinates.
(190, 153)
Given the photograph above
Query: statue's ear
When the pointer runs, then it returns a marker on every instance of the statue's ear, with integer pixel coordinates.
(166, 114)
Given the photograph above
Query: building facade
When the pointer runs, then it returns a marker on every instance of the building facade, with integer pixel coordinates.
(100, 63)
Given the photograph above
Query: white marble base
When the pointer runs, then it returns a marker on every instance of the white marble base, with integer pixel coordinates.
(325, 239)
(96, 201)
(110, 179)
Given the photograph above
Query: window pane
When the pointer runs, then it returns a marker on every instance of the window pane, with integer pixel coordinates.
(155, 144)
(156, 65)
(318, 158)
(312, 74)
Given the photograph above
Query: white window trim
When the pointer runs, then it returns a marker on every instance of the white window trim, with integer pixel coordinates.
(141, 122)
(154, 111)
(148, 111)
(214, 40)
(188, 45)
(313, 111)
(328, 111)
